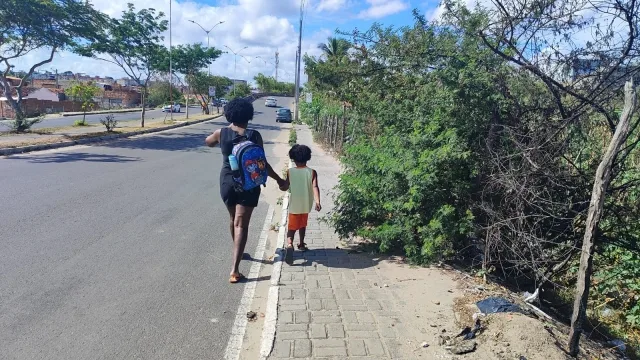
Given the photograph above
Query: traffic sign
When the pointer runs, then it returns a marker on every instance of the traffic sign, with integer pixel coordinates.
(212, 91)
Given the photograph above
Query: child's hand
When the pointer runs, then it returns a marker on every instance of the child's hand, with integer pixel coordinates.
(318, 206)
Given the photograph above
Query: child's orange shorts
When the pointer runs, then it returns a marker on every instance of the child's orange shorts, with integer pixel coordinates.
(298, 221)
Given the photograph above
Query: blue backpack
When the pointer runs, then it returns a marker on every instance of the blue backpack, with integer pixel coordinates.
(252, 163)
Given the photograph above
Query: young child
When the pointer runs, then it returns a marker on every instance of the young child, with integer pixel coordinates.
(303, 185)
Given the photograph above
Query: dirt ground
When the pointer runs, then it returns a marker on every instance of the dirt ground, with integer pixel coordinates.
(438, 303)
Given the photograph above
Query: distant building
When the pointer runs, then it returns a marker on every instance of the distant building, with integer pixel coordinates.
(126, 82)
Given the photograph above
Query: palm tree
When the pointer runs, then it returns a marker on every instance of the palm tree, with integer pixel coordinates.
(334, 49)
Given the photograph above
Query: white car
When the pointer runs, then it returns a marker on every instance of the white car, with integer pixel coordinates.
(270, 102)
(169, 108)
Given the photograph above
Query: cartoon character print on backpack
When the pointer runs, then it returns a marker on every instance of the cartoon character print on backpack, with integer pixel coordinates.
(253, 165)
(255, 168)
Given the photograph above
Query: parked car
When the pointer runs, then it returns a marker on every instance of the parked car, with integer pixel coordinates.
(171, 108)
(271, 102)
(216, 102)
(224, 101)
(283, 115)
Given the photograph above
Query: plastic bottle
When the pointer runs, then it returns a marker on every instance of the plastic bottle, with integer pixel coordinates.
(233, 162)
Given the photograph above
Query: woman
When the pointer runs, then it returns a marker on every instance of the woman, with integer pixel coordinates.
(239, 204)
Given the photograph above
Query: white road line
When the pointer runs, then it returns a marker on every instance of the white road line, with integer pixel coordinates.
(271, 312)
(234, 346)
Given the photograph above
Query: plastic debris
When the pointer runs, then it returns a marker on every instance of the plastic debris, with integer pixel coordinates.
(618, 345)
(424, 345)
(497, 305)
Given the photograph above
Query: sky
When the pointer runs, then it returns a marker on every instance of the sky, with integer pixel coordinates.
(263, 26)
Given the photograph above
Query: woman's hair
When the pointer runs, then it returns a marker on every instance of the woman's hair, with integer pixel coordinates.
(300, 153)
(238, 111)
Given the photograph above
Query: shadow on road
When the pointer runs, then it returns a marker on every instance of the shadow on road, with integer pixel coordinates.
(173, 141)
(75, 157)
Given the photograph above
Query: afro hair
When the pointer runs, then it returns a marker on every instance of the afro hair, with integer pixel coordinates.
(300, 153)
(238, 111)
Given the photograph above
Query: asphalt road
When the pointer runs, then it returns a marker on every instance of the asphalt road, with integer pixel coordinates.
(95, 119)
(120, 250)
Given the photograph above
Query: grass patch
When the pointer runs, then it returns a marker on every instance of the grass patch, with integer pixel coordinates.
(56, 135)
(293, 136)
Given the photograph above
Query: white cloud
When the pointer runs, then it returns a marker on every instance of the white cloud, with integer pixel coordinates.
(261, 25)
(331, 5)
(381, 8)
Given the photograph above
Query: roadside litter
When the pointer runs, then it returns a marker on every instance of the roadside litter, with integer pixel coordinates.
(494, 305)
(461, 344)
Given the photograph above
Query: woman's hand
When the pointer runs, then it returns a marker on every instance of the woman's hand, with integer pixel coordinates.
(283, 185)
(318, 206)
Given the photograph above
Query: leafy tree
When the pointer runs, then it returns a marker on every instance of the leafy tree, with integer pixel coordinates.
(239, 90)
(84, 93)
(133, 43)
(270, 85)
(189, 59)
(159, 93)
(579, 93)
(30, 25)
(335, 49)
(200, 82)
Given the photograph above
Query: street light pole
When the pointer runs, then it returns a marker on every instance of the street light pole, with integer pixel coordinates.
(170, 68)
(235, 65)
(207, 32)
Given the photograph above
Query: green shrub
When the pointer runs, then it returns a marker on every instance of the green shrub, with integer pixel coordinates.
(109, 122)
(293, 137)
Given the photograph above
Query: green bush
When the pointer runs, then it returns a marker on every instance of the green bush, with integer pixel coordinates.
(293, 137)
(80, 122)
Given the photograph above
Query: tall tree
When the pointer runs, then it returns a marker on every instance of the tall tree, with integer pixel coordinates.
(189, 59)
(200, 82)
(133, 43)
(335, 49)
(27, 26)
(84, 93)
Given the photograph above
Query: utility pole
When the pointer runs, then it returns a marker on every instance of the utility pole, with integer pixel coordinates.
(298, 60)
(277, 63)
(170, 68)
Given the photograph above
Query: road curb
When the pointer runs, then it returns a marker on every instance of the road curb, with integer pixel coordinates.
(102, 112)
(271, 312)
(30, 148)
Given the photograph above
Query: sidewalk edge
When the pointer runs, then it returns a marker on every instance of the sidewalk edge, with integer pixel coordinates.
(271, 312)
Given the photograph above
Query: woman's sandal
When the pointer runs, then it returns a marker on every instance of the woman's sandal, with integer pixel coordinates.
(236, 278)
(303, 247)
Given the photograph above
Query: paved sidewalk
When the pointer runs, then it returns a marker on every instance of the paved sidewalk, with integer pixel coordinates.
(332, 304)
